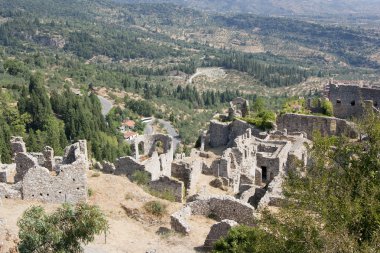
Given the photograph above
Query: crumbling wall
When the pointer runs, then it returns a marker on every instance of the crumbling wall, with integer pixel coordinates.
(10, 191)
(274, 194)
(127, 166)
(17, 145)
(239, 107)
(218, 231)
(220, 207)
(187, 172)
(156, 164)
(348, 99)
(68, 185)
(7, 173)
(327, 126)
(24, 162)
(168, 185)
(219, 133)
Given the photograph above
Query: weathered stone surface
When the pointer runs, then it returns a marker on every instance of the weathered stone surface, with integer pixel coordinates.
(327, 126)
(188, 172)
(169, 186)
(221, 207)
(107, 167)
(17, 145)
(157, 164)
(219, 133)
(7, 173)
(68, 183)
(218, 231)
(24, 162)
(10, 191)
(349, 99)
(239, 107)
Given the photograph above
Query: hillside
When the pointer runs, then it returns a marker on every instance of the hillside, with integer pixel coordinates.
(279, 7)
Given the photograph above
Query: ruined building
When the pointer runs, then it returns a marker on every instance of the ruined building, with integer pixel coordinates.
(45, 177)
(152, 154)
(350, 100)
(239, 107)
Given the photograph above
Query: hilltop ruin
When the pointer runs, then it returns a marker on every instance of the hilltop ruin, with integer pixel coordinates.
(45, 177)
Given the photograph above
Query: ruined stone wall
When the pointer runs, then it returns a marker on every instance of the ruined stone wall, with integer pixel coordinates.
(24, 162)
(7, 173)
(127, 166)
(156, 164)
(327, 126)
(168, 185)
(17, 145)
(348, 100)
(224, 134)
(154, 167)
(221, 207)
(188, 172)
(69, 184)
(219, 133)
(218, 231)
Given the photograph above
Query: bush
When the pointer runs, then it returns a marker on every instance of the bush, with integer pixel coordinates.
(141, 177)
(65, 230)
(327, 107)
(156, 208)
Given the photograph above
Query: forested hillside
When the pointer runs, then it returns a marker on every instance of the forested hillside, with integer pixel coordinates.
(153, 52)
(279, 7)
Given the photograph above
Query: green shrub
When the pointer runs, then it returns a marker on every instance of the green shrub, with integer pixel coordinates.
(327, 107)
(156, 208)
(90, 192)
(141, 177)
(65, 230)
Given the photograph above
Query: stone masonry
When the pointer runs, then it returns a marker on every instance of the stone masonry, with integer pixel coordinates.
(220, 207)
(65, 181)
(350, 100)
(327, 126)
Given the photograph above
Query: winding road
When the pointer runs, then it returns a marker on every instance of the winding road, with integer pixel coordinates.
(106, 105)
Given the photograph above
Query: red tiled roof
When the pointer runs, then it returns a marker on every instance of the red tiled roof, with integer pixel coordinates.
(129, 134)
(129, 123)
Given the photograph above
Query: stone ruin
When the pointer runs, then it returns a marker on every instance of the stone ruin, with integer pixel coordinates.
(217, 231)
(155, 158)
(239, 107)
(351, 100)
(252, 164)
(45, 177)
(309, 124)
(218, 207)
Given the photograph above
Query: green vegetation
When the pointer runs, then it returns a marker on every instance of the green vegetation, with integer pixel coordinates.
(65, 230)
(141, 177)
(337, 202)
(260, 116)
(156, 208)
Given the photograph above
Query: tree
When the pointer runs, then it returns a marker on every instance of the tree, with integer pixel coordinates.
(63, 231)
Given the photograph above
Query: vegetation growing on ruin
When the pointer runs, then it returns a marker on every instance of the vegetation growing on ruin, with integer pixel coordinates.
(156, 208)
(64, 230)
(337, 207)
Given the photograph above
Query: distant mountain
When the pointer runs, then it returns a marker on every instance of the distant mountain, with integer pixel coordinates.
(279, 7)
